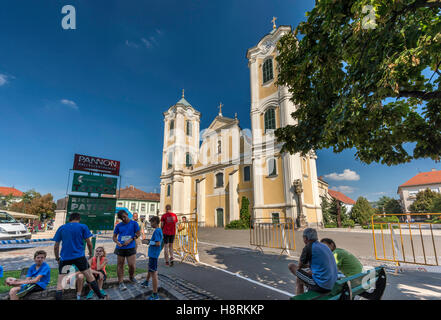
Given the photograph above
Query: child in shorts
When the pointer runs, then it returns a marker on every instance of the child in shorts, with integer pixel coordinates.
(153, 253)
(37, 278)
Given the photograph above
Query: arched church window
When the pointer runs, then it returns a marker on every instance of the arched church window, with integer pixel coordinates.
(270, 119)
(219, 146)
(172, 126)
(219, 180)
(170, 160)
(267, 70)
(189, 128)
(272, 167)
(188, 160)
(168, 190)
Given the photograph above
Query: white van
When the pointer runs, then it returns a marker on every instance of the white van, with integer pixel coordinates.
(11, 229)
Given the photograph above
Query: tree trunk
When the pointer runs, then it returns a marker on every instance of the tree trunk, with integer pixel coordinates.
(338, 214)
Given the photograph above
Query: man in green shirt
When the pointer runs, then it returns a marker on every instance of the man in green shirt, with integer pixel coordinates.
(347, 263)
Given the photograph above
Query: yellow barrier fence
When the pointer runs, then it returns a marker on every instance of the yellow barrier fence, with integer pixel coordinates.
(413, 238)
(273, 233)
(186, 240)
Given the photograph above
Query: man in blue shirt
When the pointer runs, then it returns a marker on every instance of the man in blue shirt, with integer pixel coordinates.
(317, 268)
(125, 235)
(37, 278)
(72, 235)
(154, 251)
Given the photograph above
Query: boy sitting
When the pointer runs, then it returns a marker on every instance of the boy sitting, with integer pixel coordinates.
(37, 278)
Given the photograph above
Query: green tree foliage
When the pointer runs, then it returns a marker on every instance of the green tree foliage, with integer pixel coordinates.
(330, 213)
(5, 201)
(424, 201)
(360, 87)
(244, 222)
(436, 206)
(36, 204)
(362, 211)
(388, 205)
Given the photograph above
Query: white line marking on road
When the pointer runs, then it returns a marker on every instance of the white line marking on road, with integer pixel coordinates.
(250, 280)
(242, 277)
(229, 247)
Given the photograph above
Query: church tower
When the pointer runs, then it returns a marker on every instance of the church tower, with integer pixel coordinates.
(180, 151)
(284, 185)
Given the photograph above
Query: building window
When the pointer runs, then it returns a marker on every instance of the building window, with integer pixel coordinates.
(188, 160)
(270, 119)
(189, 128)
(219, 180)
(247, 173)
(133, 207)
(219, 146)
(170, 161)
(168, 190)
(275, 216)
(267, 70)
(142, 207)
(120, 204)
(172, 127)
(152, 208)
(272, 167)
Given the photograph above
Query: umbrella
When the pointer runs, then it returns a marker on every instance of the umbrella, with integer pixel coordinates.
(125, 209)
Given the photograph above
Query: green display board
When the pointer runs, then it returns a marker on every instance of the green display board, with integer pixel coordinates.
(93, 184)
(96, 213)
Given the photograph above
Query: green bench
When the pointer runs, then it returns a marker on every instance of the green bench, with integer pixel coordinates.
(349, 287)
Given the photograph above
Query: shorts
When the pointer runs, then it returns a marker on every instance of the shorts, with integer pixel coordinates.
(28, 289)
(125, 252)
(80, 263)
(153, 264)
(169, 238)
(309, 281)
(97, 275)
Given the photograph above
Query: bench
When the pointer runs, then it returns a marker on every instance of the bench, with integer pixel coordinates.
(349, 287)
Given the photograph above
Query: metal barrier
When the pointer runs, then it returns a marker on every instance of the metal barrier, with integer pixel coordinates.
(273, 233)
(413, 238)
(186, 240)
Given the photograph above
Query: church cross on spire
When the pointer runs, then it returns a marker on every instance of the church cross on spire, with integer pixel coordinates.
(274, 22)
(220, 108)
(182, 93)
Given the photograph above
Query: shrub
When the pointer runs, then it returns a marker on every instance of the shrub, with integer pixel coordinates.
(330, 225)
(236, 224)
(348, 223)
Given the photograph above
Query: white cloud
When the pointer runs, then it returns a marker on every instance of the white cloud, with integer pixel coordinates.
(347, 174)
(3, 79)
(147, 43)
(344, 189)
(69, 103)
(131, 44)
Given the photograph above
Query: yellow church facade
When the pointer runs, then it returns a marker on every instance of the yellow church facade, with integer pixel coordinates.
(210, 172)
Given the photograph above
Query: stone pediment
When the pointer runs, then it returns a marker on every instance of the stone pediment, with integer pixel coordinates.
(221, 122)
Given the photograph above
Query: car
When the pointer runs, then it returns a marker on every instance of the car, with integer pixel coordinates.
(11, 229)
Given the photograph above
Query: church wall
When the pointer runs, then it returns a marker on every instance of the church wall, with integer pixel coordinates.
(273, 187)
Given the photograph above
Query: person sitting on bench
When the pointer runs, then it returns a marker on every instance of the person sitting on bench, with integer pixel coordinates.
(317, 268)
(37, 278)
(347, 263)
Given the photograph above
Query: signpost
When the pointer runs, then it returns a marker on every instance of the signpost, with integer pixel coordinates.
(93, 184)
(95, 164)
(97, 213)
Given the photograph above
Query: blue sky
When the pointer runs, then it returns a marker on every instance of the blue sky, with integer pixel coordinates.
(101, 89)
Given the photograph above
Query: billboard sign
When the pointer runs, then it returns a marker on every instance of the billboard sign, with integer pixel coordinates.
(96, 213)
(93, 184)
(95, 164)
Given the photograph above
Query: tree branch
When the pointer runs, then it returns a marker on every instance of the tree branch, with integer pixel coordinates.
(420, 94)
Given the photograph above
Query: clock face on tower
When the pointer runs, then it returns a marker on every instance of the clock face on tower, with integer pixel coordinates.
(267, 45)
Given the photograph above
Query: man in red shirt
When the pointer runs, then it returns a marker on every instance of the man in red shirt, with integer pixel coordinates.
(168, 226)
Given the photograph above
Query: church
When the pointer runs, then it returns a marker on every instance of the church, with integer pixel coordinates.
(210, 172)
